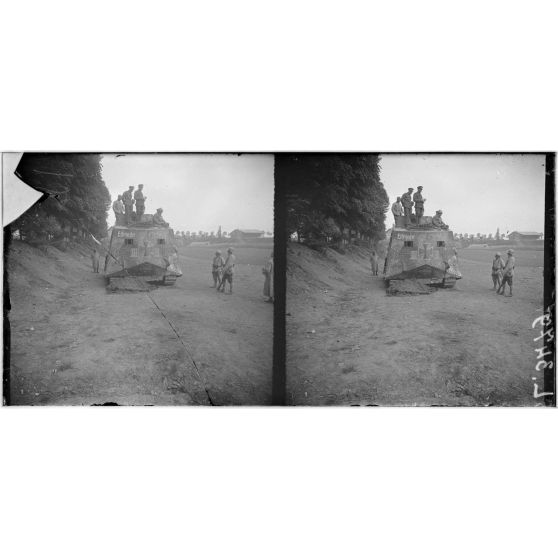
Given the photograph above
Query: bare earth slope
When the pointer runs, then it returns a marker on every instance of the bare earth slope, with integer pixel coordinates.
(349, 343)
(72, 343)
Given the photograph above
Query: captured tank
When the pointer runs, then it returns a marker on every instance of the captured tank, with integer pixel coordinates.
(140, 254)
(420, 257)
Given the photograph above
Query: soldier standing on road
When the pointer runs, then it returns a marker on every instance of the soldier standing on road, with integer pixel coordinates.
(397, 208)
(497, 267)
(268, 284)
(140, 202)
(407, 203)
(118, 208)
(419, 204)
(95, 260)
(228, 272)
(507, 274)
(217, 268)
(374, 262)
(128, 201)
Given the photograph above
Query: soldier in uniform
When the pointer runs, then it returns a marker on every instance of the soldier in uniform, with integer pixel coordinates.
(507, 274)
(118, 208)
(267, 270)
(453, 264)
(374, 262)
(407, 203)
(128, 201)
(217, 268)
(158, 219)
(397, 208)
(419, 204)
(228, 271)
(95, 260)
(140, 202)
(437, 220)
(497, 267)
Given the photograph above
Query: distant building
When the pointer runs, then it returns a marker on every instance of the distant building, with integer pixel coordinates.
(518, 236)
(246, 234)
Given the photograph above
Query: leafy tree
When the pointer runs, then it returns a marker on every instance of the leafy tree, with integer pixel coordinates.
(326, 194)
(75, 194)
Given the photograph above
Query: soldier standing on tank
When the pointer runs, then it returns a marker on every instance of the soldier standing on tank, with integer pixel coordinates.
(140, 202)
(228, 272)
(128, 201)
(397, 208)
(407, 203)
(118, 208)
(419, 204)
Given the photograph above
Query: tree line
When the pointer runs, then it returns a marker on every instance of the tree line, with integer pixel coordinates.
(329, 198)
(207, 236)
(75, 200)
(332, 198)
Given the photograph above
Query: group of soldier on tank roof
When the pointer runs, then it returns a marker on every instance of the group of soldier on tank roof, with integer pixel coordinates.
(404, 207)
(222, 269)
(123, 208)
(502, 272)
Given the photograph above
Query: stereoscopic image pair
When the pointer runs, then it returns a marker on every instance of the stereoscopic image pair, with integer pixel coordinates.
(340, 279)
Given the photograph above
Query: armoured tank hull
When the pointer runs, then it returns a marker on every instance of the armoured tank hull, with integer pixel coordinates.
(140, 255)
(421, 259)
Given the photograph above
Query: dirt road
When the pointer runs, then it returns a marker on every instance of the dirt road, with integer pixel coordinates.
(349, 343)
(74, 344)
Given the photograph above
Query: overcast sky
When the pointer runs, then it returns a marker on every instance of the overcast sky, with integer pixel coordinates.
(198, 192)
(477, 193)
